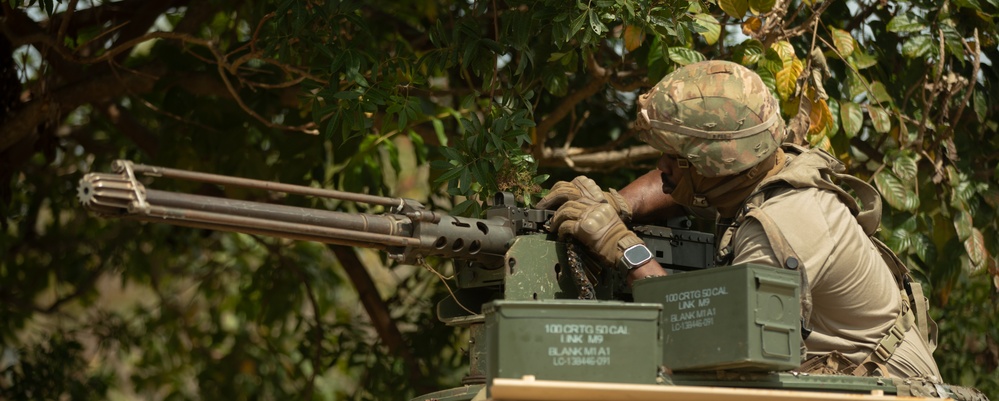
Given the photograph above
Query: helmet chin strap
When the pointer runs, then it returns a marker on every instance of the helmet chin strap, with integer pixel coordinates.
(724, 192)
(697, 199)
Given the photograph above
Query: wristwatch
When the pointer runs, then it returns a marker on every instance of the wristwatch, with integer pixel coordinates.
(635, 256)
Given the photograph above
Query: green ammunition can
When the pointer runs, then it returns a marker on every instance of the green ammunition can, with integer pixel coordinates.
(573, 340)
(744, 317)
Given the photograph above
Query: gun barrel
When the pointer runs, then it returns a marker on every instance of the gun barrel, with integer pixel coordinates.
(116, 195)
(408, 237)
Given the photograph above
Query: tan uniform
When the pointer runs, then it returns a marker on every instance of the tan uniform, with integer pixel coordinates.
(855, 299)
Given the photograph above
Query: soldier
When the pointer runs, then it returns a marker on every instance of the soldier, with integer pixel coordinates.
(721, 135)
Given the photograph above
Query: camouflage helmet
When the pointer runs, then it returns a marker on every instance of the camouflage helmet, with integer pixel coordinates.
(717, 114)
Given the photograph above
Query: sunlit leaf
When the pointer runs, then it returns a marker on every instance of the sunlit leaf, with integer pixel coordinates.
(905, 23)
(633, 37)
(975, 246)
(843, 42)
(880, 94)
(787, 79)
(972, 4)
(852, 118)
(596, 25)
(953, 41)
(906, 168)
(749, 52)
(900, 241)
(855, 84)
(880, 118)
(708, 27)
(761, 6)
(785, 51)
(734, 8)
(894, 192)
(751, 25)
(834, 113)
(684, 56)
(820, 118)
(917, 46)
(821, 142)
(861, 60)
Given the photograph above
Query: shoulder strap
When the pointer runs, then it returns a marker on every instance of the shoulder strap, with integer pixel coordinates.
(789, 260)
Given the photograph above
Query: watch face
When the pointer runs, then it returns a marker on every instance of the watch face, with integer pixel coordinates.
(637, 255)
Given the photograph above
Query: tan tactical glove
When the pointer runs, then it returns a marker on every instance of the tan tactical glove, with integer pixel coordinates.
(584, 189)
(597, 226)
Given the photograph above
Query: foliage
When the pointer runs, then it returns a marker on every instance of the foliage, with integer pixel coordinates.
(444, 102)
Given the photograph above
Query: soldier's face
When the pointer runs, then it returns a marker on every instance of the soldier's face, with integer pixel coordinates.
(670, 171)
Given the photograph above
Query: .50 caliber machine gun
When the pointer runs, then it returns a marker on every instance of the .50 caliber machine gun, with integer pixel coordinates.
(408, 232)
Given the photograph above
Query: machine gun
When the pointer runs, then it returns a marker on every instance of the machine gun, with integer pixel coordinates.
(535, 304)
(495, 257)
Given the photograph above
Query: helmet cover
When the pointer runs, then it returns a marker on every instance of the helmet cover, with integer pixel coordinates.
(718, 115)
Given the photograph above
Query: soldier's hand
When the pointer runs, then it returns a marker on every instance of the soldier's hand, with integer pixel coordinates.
(584, 190)
(596, 225)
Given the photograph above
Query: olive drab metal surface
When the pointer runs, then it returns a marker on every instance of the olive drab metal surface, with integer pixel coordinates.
(741, 317)
(606, 341)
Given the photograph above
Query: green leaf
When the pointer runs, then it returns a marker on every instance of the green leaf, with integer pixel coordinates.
(880, 118)
(964, 225)
(708, 27)
(843, 42)
(855, 84)
(880, 94)
(980, 104)
(972, 4)
(451, 174)
(787, 79)
(577, 24)
(852, 116)
(906, 167)
(785, 51)
(439, 130)
(684, 56)
(761, 6)
(556, 82)
(894, 192)
(596, 25)
(748, 52)
(734, 8)
(834, 111)
(905, 23)
(862, 60)
(917, 47)
(771, 62)
(900, 241)
(953, 41)
(923, 246)
(975, 246)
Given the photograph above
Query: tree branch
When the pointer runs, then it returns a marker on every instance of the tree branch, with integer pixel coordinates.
(600, 78)
(377, 310)
(66, 99)
(582, 160)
